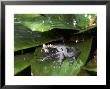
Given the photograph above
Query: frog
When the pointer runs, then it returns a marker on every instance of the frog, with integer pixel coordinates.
(59, 52)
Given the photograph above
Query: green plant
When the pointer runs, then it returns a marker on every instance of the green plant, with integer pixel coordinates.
(31, 31)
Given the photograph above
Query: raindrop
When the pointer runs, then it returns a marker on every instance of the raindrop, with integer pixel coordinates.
(50, 21)
(89, 17)
(43, 21)
(67, 23)
(85, 15)
(77, 41)
(74, 22)
(32, 74)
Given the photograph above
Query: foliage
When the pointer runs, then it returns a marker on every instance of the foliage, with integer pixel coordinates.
(66, 68)
(33, 30)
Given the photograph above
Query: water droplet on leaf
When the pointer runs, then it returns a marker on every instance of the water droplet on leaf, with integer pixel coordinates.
(85, 15)
(89, 17)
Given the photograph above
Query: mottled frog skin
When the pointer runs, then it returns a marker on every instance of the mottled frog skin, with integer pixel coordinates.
(59, 52)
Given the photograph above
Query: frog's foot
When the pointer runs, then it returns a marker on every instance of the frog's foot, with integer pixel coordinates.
(72, 60)
(57, 65)
(45, 59)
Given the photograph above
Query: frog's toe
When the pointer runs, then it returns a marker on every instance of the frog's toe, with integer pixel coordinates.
(72, 60)
(58, 65)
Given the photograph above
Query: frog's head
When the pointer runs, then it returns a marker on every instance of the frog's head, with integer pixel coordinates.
(45, 49)
(48, 48)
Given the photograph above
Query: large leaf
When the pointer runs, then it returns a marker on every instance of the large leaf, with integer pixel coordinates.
(83, 73)
(85, 20)
(49, 69)
(22, 61)
(62, 21)
(24, 38)
(90, 67)
(46, 23)
(26, 16)
(92, 64)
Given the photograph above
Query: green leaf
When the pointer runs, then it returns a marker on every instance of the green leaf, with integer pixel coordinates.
(83, 73)
(50, 21)
(26, 16)
(90, 67)
(92, 64)
(47, 22)
(24, 38)
(94, 68)
(47, 69)
(83, 20)
(22, 61)
(18, 17)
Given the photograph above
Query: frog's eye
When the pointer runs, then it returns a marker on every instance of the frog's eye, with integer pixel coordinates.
(62, 49)
(46, 50)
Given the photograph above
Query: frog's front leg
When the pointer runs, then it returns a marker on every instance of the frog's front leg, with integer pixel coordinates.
(59, 58)
(72, 59)
(47, 58)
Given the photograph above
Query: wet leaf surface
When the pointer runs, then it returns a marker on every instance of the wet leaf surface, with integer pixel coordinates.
(24, 38)
(81, 22)
(92, 64)
(83, 73)
(33, 30)
(50, 69)
(22, 61)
